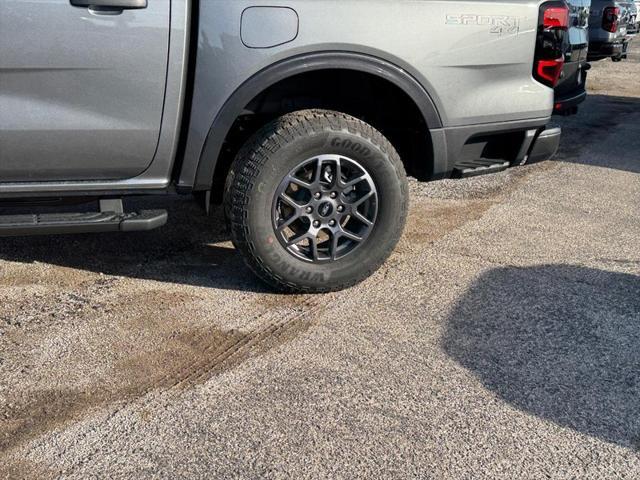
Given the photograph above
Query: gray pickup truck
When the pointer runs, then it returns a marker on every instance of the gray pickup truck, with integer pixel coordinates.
(612, 26)
(302, 116)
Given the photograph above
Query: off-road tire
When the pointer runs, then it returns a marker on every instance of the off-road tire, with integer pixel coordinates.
(265, 161)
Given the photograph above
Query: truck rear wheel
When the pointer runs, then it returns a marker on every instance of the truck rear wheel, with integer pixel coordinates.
(316, 201)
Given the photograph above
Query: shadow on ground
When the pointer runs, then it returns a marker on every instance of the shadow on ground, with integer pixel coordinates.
(559, 342)
(192, 249)
(584, 134)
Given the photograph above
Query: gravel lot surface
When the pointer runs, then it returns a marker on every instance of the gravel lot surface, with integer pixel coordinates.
(501, 340)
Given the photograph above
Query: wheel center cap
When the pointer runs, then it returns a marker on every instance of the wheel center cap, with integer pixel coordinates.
(325, 209)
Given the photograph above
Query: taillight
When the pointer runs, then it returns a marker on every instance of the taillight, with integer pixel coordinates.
(611, 19)
(553, 25)
(555, 17)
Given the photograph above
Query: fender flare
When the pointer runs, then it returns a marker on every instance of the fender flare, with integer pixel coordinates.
(282, 70)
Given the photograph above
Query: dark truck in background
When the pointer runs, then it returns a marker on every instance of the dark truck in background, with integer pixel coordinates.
(302, 117)
(571, 88)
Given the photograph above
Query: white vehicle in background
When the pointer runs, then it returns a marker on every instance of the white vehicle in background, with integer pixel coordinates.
(634, 22)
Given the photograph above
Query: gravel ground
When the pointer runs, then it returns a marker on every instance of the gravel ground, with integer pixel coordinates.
(501, 340)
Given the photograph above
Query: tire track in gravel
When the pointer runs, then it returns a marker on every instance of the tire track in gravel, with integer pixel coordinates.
(273, 333)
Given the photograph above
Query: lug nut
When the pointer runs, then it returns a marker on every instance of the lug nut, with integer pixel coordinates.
(333, 195)
(309, 209)
(317, 196)
(340, 208)
(332, 223)
(316, 224)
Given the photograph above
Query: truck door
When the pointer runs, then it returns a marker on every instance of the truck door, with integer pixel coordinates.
(81, 87)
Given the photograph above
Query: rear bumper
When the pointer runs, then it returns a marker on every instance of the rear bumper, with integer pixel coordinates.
(599, 50)
(545, 145)
(569, 101)
(479, 149)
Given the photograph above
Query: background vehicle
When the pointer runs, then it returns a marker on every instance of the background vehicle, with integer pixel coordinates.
(634, 18)
(608, 29)
(571, 89)
(301, 117)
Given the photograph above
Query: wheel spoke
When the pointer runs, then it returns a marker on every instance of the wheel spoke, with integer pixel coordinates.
(350, 236)
(313, 243)
(298, 238)
(335, 238)
(300, 183)
(352, 183)
(296, 215)
(287, 199)
(364, 198)
(338, 174)
(358, 216)
(318, 174)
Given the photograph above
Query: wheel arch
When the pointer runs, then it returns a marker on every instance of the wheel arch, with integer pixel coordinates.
(288, 68)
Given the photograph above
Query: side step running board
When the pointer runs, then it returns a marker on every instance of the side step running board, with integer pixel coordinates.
(111, 218)
(479, 167)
